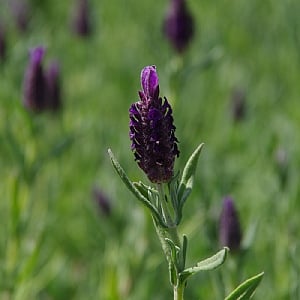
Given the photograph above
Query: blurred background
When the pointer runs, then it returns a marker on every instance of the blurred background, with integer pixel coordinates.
(69, 227)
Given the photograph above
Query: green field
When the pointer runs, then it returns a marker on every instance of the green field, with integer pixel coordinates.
(55, 243)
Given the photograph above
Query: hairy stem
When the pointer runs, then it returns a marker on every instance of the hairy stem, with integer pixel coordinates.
(178, 292)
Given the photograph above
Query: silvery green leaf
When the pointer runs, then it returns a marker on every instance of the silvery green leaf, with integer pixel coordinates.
(173, 261)
(246, 290)
(206, 265)
(184, 247)
(134, 190)
(187, 179)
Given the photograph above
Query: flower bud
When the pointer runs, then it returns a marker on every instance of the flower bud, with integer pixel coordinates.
(178, 26)
(152, 132)
(230, 234)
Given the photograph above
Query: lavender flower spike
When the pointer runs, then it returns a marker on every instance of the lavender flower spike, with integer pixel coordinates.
(81, 23)
(152, 132)
(178, 26)
(230, 234)
(2, 43)
(34, 81)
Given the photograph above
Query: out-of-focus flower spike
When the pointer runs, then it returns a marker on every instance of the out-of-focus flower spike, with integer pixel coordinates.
(152, 132)
(178, 25)
(102, 201)
(81, 22)
(53, 84)
(2, 43)
(20, 11)
(238, 105)
(34, 81)
(230, 234)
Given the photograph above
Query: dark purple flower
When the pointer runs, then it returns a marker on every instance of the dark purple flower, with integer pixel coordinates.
(230, 234)
(81, 20)
(178, 26)
(2, 43)
(34, 81)
(102, 202)
(152, 132)
(53, 88)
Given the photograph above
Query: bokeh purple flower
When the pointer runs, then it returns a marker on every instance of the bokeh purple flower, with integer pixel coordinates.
(20, 11)
(152, 132)
(102, 201)
(81, 22)
(41, 88)
(230, 234)
(238, 105)
(34, 84)
(178, 25)
(53, 88)
(2, 43)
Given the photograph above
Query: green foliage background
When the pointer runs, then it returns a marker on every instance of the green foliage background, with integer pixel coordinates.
(56, 244)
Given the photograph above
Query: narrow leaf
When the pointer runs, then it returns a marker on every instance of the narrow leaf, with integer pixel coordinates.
(184, 247)
(207, 264)
(173, 261)
(133, 189)
(246, 290)
(187, 179)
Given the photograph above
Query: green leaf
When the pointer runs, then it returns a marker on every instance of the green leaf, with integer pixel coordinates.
(187, 179)
(184, 247)
(173, 261)
(134, 190)
(246, 290)
(173, 188)
(147, 191)
(206, 265)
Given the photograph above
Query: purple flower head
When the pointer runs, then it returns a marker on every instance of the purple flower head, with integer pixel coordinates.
(102, 202)
(178, 26)
(81, 19)
(34, 81)
(230, 234)
(53, 95)
(152, 132)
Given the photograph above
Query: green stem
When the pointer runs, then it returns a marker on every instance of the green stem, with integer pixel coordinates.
(164, 206)
(178, 292)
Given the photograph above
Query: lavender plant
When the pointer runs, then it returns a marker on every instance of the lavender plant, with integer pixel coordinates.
(154, 145)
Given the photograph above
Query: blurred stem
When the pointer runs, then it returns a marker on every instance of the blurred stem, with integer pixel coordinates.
(175, 69)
